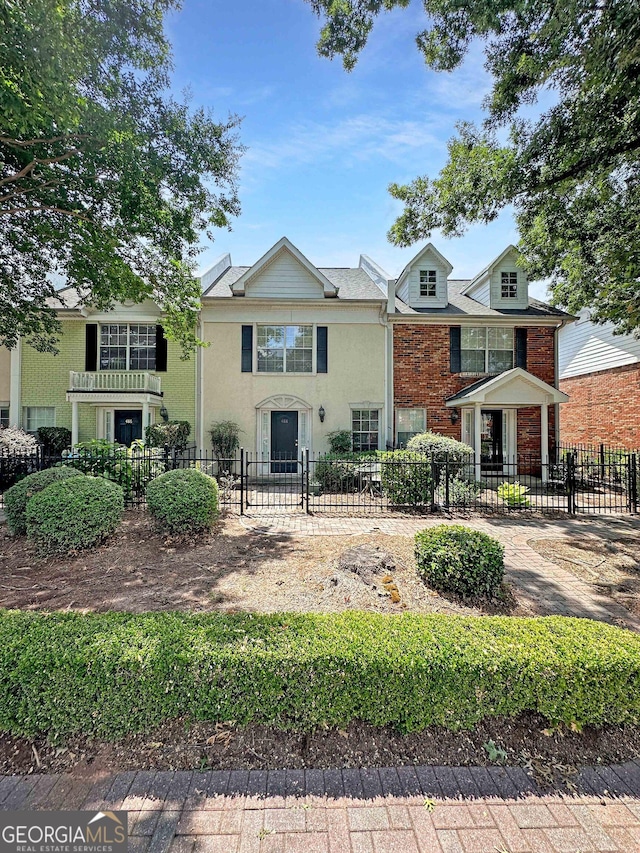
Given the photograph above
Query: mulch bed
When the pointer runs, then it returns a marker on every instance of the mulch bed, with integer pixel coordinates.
(553, 756)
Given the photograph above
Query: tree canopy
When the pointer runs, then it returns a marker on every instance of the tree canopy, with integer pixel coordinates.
(106, 181)
(572, 174)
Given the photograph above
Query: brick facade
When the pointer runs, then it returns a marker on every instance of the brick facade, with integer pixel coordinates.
(422, 378)
(604, 407)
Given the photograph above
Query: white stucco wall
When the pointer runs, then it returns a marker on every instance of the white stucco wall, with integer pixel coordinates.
(356, 367)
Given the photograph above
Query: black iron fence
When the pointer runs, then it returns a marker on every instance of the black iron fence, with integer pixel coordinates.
(576, 480)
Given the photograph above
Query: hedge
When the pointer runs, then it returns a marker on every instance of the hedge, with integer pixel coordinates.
(184, 500)
(17, 497)
(109, 674)
(454, 558)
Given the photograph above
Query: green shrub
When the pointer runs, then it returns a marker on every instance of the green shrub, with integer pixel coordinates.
(110, 674)
(514, 495)
(448, 453)
(461, 492)
(16, 498)
(183, 501)
(101, 458)
(339, 472)
(54, 439)
(406, 478)
(74, 513)
(340, 441)
(457, 559)
(172, 434)
(225, 439)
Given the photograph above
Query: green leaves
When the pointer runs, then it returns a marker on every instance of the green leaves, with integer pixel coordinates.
(572, 174)
(110, 674)
(106, 182)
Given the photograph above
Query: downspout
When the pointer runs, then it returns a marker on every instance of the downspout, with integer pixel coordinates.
(391, 307)
(199, 395)
(15, 386)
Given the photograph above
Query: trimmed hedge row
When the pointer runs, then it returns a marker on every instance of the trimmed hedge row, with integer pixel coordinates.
(113, 673)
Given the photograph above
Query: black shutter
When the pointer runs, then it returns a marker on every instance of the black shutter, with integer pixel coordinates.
(521, 348)
(247, 349)
(455, 356)
(161, 350)
(91, 347)
(321, 349)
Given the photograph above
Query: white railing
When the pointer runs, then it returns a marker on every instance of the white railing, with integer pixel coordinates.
(109, 381)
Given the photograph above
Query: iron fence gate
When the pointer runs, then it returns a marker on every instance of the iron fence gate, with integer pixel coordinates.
(579, 480)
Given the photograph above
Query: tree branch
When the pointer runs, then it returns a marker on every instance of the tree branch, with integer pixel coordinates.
(27, 143)
(588, 162)
(39, 161)
(77, 215)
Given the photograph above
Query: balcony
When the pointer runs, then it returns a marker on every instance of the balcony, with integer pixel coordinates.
(114, 382)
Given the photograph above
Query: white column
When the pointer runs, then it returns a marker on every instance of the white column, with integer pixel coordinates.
(477, 439)
(74, 422)
(145, 418)
(544, 440)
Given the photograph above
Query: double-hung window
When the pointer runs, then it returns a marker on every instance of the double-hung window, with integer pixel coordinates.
(409, 422)
(509, 285)
(128, 346)
(4, 416)
(285, 349)
(39, 416)
(486, 350)
(365, 429)
(428, 282)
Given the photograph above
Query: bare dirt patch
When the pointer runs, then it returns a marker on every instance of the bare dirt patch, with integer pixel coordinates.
(609, 562)
(553, 756)
(232, 569)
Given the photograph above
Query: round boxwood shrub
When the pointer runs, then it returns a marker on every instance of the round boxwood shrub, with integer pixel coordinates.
(74, 513)
(183, 501)
(448, 453)
(453, 558)
(17, 497)
(406, 478)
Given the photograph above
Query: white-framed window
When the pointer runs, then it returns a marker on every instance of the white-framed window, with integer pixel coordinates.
(285, 349)
(509, 285)
(365, 429)
(409, 422)
(4, 415)
(428, 282)
(486, 349)
(127, 346)
(39, 416)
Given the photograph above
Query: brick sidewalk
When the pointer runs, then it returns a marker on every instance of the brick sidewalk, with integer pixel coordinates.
(385, 810)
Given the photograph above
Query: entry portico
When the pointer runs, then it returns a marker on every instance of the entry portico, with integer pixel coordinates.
(506, 393)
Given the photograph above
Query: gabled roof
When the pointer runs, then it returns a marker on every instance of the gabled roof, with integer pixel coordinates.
(496, 388)
(283, 245)
(489, 267)
(428, 248)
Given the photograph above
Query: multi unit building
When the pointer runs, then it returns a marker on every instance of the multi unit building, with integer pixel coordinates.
(294, 352)
(600, 373)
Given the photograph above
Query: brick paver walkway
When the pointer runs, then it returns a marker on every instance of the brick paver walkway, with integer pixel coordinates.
(385, 810)
(546, 587)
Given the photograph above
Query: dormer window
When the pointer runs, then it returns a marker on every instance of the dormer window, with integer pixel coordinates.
(428, 283)
(509, 285)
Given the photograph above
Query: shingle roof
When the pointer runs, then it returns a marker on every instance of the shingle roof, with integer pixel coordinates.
(460, 305)
(352, 283)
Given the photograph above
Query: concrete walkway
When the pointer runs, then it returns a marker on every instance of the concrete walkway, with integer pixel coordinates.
(385, 810)
(547, 588)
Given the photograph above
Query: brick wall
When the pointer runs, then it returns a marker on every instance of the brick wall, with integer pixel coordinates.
(604, 407)
(422, 378)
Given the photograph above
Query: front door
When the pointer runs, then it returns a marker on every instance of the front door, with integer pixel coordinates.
(491, 449)
(284, 442)
(127, 426)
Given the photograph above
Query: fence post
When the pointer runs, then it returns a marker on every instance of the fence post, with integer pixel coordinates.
(602, 463)
(306, 477)
(432, 483)
(633, 483)
(242, 481)
(446, 481)
(571, 482)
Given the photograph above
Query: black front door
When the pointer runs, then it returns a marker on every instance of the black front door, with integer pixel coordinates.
(284, 442)
(491, 451)
(127, 426)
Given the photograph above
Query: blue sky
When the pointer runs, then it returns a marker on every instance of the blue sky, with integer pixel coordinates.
(323, 144)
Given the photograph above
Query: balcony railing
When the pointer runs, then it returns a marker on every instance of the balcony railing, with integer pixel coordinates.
(106, 380)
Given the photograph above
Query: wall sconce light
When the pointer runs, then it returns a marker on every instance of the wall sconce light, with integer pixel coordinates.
(455, 416)
(321, 414)
(164, 414)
